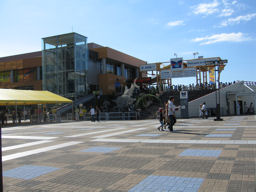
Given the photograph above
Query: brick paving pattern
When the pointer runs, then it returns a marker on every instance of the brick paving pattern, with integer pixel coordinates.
(118, 156)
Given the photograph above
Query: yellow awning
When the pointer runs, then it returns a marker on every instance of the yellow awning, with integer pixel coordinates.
(29, 97)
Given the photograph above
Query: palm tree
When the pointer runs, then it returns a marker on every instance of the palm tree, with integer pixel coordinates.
(146, 100)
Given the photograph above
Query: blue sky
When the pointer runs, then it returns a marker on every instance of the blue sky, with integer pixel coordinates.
(152, 30)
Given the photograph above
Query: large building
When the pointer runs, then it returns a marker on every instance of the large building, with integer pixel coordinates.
(69, 66)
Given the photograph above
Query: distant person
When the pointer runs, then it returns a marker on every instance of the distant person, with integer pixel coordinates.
(92, 112)
(97, 113)
(161, 119)
(13, 117)
(200, 110)
(77, 114)
(171, 113)
(81, 114)
(2, 117)
(245, 108)
(5, 116)
(19, 116)
(166, 117)
(204, 111)
(25, 114)
(251, 108)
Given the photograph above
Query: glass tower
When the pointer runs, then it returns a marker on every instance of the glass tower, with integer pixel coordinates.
(64, 64)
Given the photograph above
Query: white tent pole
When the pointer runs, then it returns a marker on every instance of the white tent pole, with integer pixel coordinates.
(15, 112)
(24, 112)
(37, 113)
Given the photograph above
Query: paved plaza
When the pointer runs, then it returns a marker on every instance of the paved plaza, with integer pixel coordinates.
(133, 156)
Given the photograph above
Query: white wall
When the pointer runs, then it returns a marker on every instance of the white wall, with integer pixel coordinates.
(210, 100)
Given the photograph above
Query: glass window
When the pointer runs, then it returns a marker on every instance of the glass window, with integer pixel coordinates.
(118, 71)
(5, 76)
(110, 68)
(41, 73)
(66, 65)
(126, 73)
(28, 74)
(17, 75)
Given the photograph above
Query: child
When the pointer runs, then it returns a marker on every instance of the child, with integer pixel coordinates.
(161, 119)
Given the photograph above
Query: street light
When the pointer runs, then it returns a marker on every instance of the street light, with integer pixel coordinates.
(217, 86)
(175, 54)
(196, 53)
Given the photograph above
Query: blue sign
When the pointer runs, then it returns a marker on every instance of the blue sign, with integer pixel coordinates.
(177, 64)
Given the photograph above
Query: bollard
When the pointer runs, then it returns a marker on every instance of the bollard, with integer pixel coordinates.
(1, 166)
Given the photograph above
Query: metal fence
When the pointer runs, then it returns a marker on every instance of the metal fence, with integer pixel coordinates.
(54, 118)
(107, 116)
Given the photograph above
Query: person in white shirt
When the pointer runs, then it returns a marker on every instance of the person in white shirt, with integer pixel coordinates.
(204, 111)
(92, 112)
(171, 113)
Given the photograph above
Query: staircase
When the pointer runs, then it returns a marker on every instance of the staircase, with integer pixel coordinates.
(68, 107)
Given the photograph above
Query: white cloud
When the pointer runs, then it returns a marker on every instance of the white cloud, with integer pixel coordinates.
(175, 23)
(228, 8)
(226, 12)
(206, 8)
(238, 19)
(225, 3)
(234, 2)
(223, 8)
(223, 37)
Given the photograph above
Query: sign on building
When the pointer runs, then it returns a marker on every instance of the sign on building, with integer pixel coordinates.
(187, 72)
(183, 95)
(166, 74)
(149, 67)
(212, 75)
(177, 64)
(202, 61)
(184, 104)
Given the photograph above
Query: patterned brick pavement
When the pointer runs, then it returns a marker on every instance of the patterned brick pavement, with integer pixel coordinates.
(200, 155)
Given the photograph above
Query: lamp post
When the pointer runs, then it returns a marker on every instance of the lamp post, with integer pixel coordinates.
(175, 54)
(217, 85)
(196, 53)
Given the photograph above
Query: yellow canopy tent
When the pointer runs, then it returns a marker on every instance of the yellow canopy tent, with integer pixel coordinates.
(29, 97)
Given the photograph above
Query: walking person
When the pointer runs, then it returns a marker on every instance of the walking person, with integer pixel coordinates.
(2, 117)
(166, 117)
(171, 113)
(92, 112)
(161, 119)
(97, 113)
(19, 116)
(200, 111)
(5, 117)
(14, 117)
(204, 111)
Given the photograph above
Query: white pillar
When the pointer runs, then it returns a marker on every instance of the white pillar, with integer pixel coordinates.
(237, 107)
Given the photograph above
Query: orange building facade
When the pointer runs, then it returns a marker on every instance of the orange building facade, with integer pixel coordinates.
(105, 66)
(21, 71)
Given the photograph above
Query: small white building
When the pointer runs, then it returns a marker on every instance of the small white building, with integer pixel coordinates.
(236, 99)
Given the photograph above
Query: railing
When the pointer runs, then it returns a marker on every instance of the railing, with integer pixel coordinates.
(55, 118)
(111, 116)
(250, 83)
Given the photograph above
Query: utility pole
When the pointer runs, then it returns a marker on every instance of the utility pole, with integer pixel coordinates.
(217, 85)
